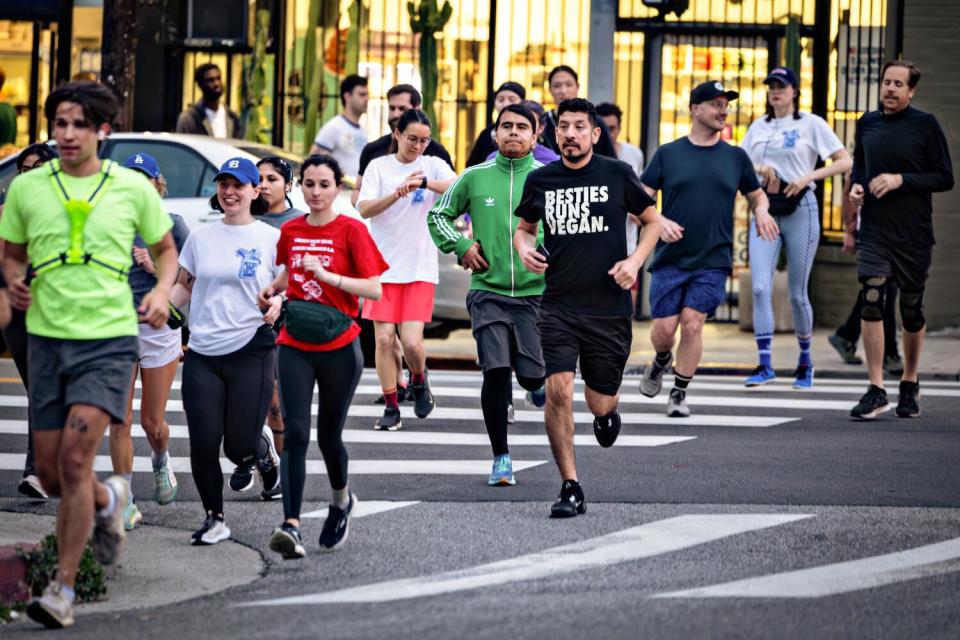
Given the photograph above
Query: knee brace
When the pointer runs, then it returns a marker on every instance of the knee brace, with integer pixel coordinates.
(873, 293)
(911, 310)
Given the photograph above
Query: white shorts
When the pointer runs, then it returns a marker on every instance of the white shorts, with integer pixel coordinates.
(159, 347)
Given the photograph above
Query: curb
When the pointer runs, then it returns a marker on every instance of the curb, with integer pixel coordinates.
(13, 573)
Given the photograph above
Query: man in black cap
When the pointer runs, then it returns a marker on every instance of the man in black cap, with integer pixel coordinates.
(700, 176)
(508, 93)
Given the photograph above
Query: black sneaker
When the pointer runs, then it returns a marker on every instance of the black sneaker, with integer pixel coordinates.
(570, 502)
(389, 421)
(242, 478)
(845, 349)
(286, 541)
(872, 404)
(423, 402)
(337, 526)
(273, 494)
(893, 365)
(269, 465)
(607, 433)
(908, 405)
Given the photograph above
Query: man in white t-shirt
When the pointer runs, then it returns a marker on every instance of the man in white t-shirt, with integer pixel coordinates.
(342, 137)
(611, 116)
(210, 116)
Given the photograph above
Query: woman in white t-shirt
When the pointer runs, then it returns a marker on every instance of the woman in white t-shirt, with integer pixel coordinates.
(397, 192)
(228, 374)
(784, 146)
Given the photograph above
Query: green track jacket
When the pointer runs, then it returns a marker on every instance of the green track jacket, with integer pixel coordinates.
(489, 192)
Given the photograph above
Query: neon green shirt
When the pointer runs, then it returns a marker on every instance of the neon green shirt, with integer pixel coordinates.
(80, 302)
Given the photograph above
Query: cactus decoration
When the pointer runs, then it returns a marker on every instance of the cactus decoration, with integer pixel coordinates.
(254, 89)
(323, 17)
(428, 20)
(357, 24)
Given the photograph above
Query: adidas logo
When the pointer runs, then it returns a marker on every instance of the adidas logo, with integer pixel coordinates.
(488, 202)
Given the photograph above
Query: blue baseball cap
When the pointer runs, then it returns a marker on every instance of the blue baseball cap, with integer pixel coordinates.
(144, 163)
(240, 168)
(783, 75)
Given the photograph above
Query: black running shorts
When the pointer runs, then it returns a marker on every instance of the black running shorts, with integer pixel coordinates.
(602, 344)
(909, 266)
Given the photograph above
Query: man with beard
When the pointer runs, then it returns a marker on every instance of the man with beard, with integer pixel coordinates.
(209, 116)
(504, 298)
(584, 201)
(700, 175)
(900, 158)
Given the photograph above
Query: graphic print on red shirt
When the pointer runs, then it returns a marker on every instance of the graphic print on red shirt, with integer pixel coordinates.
(344, 247)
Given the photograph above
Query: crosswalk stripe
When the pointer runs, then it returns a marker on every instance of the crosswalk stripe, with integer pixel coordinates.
(842, 577)
(476, 414)
(364, 508)
(14, 462)
(854, 391)
(357, 436)
(632, 544)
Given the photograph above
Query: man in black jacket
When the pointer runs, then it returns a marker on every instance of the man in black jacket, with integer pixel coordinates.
(900, 159)
(564, 84)
(209, 116)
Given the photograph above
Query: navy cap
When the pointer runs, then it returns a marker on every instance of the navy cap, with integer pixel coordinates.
(144, 163)
(516, 87)
(240, 168)
(784, 75)
(709, 90)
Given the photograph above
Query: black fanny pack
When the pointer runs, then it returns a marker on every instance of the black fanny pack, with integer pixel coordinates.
(314, 322)
(783, 205)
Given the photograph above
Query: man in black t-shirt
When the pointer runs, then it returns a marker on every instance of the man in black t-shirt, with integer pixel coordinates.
(900, 158)
(700, 175)
(400, 99)
(584, 202)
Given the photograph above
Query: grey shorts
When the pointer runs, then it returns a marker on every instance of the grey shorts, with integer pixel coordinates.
(506, 332)
(67, 372)
(909, 266)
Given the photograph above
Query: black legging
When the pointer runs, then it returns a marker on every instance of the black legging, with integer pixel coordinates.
(496, 386)
(336, 374)
(15, 335)
(226, 399)
(850, 330)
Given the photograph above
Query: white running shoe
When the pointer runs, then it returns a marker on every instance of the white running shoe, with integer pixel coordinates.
(52, 609)
(214, 530)
(109, 536)
(30, 486)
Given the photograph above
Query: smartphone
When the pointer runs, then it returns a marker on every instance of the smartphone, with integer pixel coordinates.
(542, 250)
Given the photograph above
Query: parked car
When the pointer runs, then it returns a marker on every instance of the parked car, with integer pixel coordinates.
(189, 164)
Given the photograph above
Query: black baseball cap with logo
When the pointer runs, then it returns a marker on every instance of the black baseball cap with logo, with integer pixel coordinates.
(709, 90)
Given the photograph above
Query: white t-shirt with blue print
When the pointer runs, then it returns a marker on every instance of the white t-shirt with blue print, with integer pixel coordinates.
(789, 145)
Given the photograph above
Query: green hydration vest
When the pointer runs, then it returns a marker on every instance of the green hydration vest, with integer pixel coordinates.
(78, 211)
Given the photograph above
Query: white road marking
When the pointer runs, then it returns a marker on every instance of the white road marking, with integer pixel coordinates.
(441, 438)
(14, 462)
(364, 508)
(842, 577)
(632, 544)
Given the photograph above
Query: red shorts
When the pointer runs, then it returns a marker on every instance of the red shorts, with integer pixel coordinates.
(407, 302)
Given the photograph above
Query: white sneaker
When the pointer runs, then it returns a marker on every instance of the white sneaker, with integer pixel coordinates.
(164, 485)
(30, 486)
(677, 404)
(53, 609)
(109, 535)
(214, 530)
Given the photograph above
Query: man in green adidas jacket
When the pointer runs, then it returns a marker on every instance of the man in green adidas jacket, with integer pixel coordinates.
(504, 297)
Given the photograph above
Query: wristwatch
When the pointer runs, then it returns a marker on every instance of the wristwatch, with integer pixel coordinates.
(423, 183)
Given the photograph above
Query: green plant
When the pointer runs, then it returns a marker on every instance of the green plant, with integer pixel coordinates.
(324, 16)
(91, 583)
(7, 609)
(254, 89)
(428, 20)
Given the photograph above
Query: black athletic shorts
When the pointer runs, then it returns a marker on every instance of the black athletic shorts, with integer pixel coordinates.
(909, 266)
(602, 343)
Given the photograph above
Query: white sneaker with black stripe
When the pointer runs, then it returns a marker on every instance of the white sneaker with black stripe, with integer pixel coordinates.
(214, 530)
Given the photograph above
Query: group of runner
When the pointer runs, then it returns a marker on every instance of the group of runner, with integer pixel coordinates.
(551, 268)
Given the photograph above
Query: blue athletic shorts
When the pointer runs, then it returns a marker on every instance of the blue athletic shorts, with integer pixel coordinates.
(672, 289)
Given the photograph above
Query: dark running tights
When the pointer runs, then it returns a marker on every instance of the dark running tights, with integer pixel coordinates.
(15, 335)
(495, 394)
(336, 374)
(226, 399)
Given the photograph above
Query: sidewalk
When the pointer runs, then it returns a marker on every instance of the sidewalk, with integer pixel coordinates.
(157, 568)
(728, 350)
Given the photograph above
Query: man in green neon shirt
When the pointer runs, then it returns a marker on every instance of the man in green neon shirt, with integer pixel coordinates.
(74, 221)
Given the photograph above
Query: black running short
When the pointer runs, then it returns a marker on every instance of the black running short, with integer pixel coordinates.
(602, 344)
(909, 266)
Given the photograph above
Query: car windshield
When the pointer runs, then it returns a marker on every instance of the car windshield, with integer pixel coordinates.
(263, 151)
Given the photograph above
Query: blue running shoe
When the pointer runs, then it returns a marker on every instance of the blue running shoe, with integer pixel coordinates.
(537, 398)
(804, 377)
(760, 376)
(502, 473)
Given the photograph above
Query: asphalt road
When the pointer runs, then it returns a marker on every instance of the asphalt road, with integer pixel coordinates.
(767, 515)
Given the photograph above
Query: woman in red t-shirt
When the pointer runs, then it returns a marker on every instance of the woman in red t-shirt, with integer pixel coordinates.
(330, 260)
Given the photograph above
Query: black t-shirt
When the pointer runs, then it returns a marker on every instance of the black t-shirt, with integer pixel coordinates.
(584, 215)
(912, 144)
(699, 187)
(381, 147)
